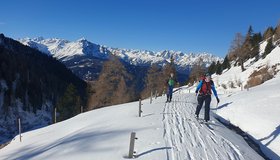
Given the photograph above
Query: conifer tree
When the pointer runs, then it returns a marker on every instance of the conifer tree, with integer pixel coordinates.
(268, 33)
(277, 33)
(250, 31)
(269, 47)
(68, 105)
(219, 68)
(256, 39)
(226, 64)
(248, 44)
(212, 68)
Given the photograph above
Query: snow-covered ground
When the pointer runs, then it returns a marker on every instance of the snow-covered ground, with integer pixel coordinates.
(169, 131)
(256, 112)
(235, 77)
(165, 131)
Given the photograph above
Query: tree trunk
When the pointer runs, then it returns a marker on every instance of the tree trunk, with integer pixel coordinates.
(242, 65)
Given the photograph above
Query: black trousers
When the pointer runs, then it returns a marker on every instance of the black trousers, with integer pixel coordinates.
(169, 93)
(203, 99)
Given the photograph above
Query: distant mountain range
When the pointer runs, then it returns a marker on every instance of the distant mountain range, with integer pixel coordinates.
(83, 57)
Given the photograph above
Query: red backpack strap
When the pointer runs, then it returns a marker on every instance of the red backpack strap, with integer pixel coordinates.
(206, 87)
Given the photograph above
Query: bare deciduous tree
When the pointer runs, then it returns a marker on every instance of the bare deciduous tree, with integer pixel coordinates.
(155, 81)
(236, 50)
(268, 33)
(113, 85)
(198, 70)
(277, 34)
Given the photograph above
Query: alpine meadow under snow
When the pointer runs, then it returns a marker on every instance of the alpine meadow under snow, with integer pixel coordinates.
(257, 110)
(143, 80)
(165, 131)
(170, 130)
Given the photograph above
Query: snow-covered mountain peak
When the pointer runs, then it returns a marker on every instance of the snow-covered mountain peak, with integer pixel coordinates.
(63, 49)
(82, 39)
(38, 39)
(83, 43)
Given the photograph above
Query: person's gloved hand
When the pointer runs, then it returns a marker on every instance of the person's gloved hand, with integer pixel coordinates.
(196, 91)
(218, 100)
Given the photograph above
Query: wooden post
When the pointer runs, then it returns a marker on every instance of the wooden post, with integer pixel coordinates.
(131, 144)
(156, 95)
(55, 115)
(151, 98)
(140, 110)
(82, 109)
(19, 129)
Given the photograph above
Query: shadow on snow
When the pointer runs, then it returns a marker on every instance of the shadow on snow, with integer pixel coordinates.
(152, 150)
(222, 106)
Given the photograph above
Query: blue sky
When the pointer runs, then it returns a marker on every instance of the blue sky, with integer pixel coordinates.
(180, 25)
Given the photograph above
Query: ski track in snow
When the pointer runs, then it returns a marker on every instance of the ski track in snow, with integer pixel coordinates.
(191, 140)
(167, 131)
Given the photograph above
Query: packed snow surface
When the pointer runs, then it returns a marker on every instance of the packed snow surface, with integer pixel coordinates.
(256, 112)
(164, 131)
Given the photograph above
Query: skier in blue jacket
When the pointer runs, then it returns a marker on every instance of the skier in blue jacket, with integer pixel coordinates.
(204, 89)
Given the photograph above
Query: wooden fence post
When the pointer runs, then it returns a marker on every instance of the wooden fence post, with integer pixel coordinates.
(156, 95)
(140, 110)
(55, 115)
(151, 98)
(82, 109)
(19, 129)
(131, 145)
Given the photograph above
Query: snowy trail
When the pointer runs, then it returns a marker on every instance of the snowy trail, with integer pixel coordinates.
(165, 131)
(191, 140)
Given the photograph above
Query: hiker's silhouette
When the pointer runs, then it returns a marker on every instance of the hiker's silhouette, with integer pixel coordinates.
(273, 135)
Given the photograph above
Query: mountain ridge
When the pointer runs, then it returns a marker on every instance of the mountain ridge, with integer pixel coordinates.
(31, 85)
(64, 49)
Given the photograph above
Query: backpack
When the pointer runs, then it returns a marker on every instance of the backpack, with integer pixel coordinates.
(206, 87)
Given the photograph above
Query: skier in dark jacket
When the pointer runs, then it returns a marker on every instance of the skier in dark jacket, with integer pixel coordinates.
(204, 88)
(170, 86)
